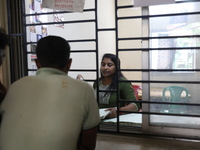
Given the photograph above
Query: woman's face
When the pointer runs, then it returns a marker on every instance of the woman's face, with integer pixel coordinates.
(107, 67)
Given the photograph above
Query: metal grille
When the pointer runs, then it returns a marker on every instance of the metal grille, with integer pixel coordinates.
(19, 55)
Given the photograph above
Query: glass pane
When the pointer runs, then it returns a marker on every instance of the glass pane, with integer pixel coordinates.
(129, 12)
(173, 59)
(185, 94)
(106, 14)
(174, 25)
(157, 95)
(174, 53)
(174, 8)
(126, 28)
(129, 44)
(184, 57)
(124, 2)
(192, 76)
(81, 46)
(174, 42)
(80, 61)
(176, 121)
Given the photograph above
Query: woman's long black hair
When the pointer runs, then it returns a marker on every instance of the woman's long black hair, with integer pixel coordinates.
(4, 39)
(116, 61)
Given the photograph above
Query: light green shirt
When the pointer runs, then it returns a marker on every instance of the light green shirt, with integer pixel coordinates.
(47, 112)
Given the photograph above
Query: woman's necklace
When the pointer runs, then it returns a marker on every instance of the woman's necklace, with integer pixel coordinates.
(104, 96)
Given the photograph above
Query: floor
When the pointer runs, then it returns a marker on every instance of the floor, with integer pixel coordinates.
(117, 142)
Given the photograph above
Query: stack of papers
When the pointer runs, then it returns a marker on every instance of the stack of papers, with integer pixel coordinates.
(129, 118)
(134, 118)
(103, 113)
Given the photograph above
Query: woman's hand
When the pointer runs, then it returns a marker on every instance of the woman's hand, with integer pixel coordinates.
(113, 112)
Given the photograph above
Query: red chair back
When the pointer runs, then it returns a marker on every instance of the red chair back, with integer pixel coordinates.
(136, 88)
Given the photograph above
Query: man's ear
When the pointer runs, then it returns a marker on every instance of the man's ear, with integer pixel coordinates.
(37, 63)
(68, 65)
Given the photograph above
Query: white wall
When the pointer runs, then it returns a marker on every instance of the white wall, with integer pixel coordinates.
(106, 39)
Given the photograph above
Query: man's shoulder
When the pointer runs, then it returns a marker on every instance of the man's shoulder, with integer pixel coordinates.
(23, 79)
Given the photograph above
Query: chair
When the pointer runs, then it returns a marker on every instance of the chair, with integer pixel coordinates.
(176, 94)
(137, 89)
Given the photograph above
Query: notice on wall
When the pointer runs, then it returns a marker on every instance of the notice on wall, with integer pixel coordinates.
(143, 3)
(66, 5)
(37, 31)
(59, 17)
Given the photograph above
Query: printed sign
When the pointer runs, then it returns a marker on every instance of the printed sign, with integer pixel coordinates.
(143, 3)
(67, 5)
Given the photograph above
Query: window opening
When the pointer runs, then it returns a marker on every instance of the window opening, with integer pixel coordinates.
(178, 25)
(174, 51)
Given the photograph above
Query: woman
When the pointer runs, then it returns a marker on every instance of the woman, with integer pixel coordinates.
(4, 41)
(108, 81)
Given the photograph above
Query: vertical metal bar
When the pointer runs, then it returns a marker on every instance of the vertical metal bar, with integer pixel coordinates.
(11, 41)
(97, 51)
(24, 45)
(145, 65)
(18, 41)
(15, 26)
(117, 69)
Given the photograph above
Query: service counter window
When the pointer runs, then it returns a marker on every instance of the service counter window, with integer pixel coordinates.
(158, 47)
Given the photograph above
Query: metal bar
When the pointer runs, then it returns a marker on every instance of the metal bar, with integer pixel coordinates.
(91, 70)
(160, 49)
(160, 102)
(161, 70)
(97, 54)
(63, 22)
(156, 113)
(24, 36)
(163, 15)
(10, 34)
(82, 51)
(59, 12)
(132, 6)
(107, 29)
(117, 68)
(70, 41)
(159, 37)
(150, 81)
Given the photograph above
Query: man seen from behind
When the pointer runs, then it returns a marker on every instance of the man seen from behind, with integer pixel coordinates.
(49, 111)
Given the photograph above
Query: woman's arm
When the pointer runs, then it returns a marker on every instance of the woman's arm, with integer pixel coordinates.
(113, 110)
(126, 93)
